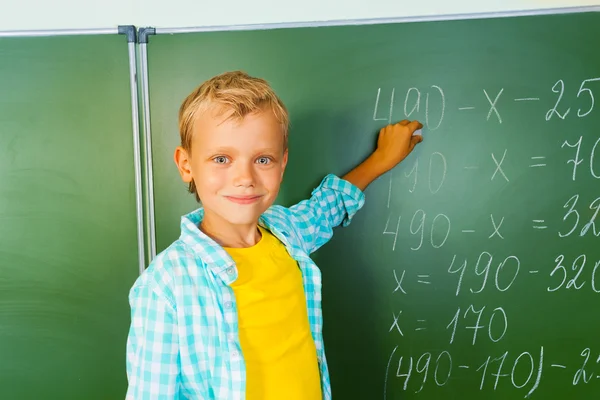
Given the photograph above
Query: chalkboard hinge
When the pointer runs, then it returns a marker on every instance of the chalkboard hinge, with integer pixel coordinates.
(144, 33)
(129, 31)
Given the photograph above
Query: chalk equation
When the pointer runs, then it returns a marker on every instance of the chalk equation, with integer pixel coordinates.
(435, 100)
(521, 371)
(440, 225)
(470, 285)
(472, 320)
(499, 273)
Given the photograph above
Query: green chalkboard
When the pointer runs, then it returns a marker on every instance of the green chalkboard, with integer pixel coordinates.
(68, 248)
(473, 270)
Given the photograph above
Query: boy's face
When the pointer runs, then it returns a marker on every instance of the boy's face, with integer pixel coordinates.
(237, 166)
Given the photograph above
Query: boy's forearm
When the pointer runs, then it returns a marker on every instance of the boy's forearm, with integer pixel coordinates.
(394, 143)
(366, 172)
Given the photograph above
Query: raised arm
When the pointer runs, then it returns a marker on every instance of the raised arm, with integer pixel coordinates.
(336, 200)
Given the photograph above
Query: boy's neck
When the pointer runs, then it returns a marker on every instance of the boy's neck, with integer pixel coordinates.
(229, 235)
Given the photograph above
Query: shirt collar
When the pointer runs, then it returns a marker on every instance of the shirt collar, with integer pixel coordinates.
(214, 255)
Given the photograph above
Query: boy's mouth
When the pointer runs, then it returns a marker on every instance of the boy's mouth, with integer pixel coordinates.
(243, 199)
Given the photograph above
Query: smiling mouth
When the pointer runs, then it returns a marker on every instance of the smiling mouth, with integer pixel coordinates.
(243, 199)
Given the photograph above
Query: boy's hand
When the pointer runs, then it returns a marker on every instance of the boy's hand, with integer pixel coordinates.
(395, 143)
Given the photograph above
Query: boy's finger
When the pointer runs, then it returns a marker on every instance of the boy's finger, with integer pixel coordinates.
(415, 140)
(414, 125)
(404, 122)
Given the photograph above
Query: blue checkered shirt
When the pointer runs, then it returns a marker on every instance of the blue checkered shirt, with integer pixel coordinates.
(184, 341)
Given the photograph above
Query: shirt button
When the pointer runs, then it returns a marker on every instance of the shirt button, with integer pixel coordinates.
(235, 354)
(228, 304)
(230, 271)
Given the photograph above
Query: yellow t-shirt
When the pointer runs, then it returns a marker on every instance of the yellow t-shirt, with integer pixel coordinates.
(279, 351)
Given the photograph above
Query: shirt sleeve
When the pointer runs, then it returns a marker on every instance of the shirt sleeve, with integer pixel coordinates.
(152, 347)
(334, 202)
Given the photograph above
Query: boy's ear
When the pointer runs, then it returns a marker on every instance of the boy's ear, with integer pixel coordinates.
(284, 162)
(182, 161)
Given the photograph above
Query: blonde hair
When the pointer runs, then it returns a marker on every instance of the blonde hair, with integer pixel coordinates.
(235, 92)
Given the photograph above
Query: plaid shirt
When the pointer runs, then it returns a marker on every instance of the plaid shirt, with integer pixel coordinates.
(184, 341)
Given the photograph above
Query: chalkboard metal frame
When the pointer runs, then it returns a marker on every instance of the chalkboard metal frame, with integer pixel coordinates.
(59, 32)
(346, 22)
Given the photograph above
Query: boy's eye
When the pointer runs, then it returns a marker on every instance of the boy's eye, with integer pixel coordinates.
(263, 160)
(220, 159)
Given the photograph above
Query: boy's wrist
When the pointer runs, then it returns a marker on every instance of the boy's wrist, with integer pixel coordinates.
(379, 163)
(367, 171)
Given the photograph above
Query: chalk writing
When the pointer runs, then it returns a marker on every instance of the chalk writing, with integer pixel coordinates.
(576, 280)
(577, 161)
(573, 215)
(451, 281)
(439, 228)
(505, 273)
(501, 321)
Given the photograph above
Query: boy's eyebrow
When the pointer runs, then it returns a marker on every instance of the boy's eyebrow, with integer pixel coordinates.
(274, 149)
(219, 149)
(228, 149)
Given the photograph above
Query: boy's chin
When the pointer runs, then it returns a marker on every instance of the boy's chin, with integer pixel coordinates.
(235, 214)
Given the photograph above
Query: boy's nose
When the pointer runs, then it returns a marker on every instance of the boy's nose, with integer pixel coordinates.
(243, 175)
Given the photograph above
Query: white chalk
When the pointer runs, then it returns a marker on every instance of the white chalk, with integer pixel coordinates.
(418, 132)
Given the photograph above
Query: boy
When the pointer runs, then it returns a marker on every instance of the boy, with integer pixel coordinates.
(232, 309)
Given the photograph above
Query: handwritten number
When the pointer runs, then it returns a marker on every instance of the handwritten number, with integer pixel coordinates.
(583, 89)
(573, 282)
(560, 95)
(571, 211)
(559, 266)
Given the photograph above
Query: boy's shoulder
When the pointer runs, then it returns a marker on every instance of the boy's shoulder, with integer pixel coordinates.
(166, 263)
(184, 264)
(166, 271)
